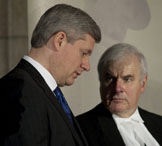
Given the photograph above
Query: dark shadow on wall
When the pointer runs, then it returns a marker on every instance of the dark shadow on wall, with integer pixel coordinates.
(115, 17)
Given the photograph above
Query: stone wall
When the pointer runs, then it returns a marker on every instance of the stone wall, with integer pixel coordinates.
(13, 33)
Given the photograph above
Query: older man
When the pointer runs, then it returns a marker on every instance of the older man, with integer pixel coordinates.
(118, 120)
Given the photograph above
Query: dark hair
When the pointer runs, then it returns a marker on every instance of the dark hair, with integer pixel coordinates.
(73, 21)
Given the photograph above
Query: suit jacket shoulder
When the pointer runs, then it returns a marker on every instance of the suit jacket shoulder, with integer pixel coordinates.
(31, 114)
(100, 128)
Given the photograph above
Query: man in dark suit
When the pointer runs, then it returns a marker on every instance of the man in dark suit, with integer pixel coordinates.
(31, 113)
(118, 120)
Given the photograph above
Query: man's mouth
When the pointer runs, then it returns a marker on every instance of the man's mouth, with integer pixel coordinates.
(117, 98)
(76, 74)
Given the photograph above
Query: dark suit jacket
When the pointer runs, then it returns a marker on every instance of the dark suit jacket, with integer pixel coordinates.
(100, 128)
(30, 113)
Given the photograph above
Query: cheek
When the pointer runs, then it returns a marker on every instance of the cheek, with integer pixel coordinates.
(129, 91)
(133, 95)
(72, 62)
(75, 59)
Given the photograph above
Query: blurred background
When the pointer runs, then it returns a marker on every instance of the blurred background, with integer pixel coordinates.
(137, 22)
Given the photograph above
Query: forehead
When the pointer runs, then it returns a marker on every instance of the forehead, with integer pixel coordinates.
(86, 43)
(124, 66)
(89, 41)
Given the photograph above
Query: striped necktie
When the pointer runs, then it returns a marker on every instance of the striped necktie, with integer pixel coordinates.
(61, 99)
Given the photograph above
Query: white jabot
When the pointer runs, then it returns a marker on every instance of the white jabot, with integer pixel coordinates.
(133, 130)
(51, 82)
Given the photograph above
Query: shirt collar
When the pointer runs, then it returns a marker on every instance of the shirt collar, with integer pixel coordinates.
(134, 117)
(51, 82)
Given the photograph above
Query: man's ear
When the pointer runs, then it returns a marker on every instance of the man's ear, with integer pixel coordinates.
(59, 40)
(144, 83)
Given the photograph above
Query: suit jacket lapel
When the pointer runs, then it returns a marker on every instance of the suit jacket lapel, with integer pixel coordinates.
(41, 82)
(80, 133)
(111, 135)
(150, 123)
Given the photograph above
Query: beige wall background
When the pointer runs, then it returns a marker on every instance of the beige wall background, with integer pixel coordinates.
(133, 21)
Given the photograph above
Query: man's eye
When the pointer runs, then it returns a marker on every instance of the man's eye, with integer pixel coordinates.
(83, 53)
(127, 79)
(109, 79)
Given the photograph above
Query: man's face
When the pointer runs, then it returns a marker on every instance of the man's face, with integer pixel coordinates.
(76, 60)
(121, 86)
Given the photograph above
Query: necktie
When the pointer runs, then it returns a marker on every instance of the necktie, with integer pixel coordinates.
(61, 99)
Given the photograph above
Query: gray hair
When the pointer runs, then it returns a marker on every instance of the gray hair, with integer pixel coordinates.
(118, 52)
(73, 21)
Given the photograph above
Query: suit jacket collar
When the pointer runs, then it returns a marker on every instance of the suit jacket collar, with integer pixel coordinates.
(24, 65)
(108, 126)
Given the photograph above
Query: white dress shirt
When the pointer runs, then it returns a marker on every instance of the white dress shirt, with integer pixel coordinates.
(51, 82)
(133, 131)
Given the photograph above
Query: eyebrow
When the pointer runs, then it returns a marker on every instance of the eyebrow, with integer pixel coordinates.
(109, 73)
(128, 76)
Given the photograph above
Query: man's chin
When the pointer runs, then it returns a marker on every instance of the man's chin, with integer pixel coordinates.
(70, 82)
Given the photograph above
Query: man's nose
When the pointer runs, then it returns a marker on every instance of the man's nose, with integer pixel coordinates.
(118, 85)
(85, 64)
